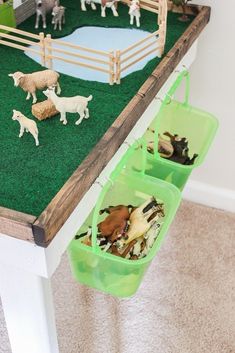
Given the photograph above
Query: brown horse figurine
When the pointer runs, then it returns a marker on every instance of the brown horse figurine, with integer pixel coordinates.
(115, 223)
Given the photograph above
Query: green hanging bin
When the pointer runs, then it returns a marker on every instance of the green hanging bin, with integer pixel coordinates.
(106, 272)
(198, 126)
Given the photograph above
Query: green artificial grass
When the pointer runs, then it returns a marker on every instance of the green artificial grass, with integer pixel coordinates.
(30, 176)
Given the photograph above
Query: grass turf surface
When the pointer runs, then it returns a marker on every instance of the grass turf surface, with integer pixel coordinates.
(30, 176)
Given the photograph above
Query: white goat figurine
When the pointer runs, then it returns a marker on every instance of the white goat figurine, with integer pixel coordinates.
(134, 12)
(104, 3)
(37, 80)
(58, 14)
(26, 124)
(76, 104)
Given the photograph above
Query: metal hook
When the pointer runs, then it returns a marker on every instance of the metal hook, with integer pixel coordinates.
(110, 180)
(169, 102)
(158, 98)
(127, 143)
(99, 183)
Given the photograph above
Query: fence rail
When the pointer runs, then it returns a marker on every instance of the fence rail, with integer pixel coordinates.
(54, 47)
(112, 63)
(127, 54)
(16, 41)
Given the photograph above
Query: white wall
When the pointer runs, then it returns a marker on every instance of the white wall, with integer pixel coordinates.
(213, 89)
(17, 3)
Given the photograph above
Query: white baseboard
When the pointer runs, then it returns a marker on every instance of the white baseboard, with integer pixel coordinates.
(208, 195)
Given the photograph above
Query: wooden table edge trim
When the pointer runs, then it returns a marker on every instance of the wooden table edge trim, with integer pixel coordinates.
(16, 224)
(44, 228)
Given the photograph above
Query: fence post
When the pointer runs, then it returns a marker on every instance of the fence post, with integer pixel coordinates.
(111, 67)
(49, 51)
(42, 45)
(118, 67)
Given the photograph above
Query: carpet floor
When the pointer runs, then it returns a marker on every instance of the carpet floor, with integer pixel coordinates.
(186, 303)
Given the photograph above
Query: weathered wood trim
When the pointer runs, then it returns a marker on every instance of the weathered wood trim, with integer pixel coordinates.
(57, 212)
(24, 11)
(16, 224)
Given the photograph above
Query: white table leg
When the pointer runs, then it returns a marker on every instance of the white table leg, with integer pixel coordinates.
(29, 313)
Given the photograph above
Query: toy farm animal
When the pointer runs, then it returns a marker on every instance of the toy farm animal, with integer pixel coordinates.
(180, 146)
(165, 148)
(104, 3)
(141, 220)
(134, 12)
(76, 104)
(26, 124)
(37, 80)
(58, 13)
(115, 223)
(43, 7)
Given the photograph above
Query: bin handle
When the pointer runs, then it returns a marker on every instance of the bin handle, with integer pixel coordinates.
(183, 75)
(113, 176)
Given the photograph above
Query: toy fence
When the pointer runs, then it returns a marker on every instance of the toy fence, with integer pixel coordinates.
(18, 37)
(112, 63)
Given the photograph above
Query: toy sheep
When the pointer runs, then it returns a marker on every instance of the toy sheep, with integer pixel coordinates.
(76, 104)
(58, 13)
(134, 12)
(26, 124)
(36, 80)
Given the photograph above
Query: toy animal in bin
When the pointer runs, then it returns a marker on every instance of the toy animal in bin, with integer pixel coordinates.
(38, 80)
(104, 4)
(43, 7)
(116, 222)
(128, 231)
(26, 124)
(176, 149)
(76, 104)
(134, 12)
(58, 14)
(180, 146)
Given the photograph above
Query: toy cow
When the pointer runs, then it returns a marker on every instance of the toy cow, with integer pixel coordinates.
(104, 3)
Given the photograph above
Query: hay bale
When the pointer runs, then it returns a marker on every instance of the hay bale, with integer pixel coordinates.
(44, 110)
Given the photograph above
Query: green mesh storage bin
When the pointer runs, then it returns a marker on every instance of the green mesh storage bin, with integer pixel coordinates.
(187, 121)
(7, 15)
(109, 273)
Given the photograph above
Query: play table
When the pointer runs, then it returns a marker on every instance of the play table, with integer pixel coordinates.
(31, 247)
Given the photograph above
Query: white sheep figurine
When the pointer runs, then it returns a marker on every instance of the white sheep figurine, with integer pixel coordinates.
(36, 80)
(76, 104)
(134, 12)
(26, 124)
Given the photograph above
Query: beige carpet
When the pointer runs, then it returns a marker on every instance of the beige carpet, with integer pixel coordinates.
(186, 303)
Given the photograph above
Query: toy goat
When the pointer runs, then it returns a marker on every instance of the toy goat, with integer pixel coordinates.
(115, 224)
(37, 80)
(58, 13)
(26, 124)
(104, 3)
(43, 7)
(76, 104)
(141, 220)
(134, 12)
